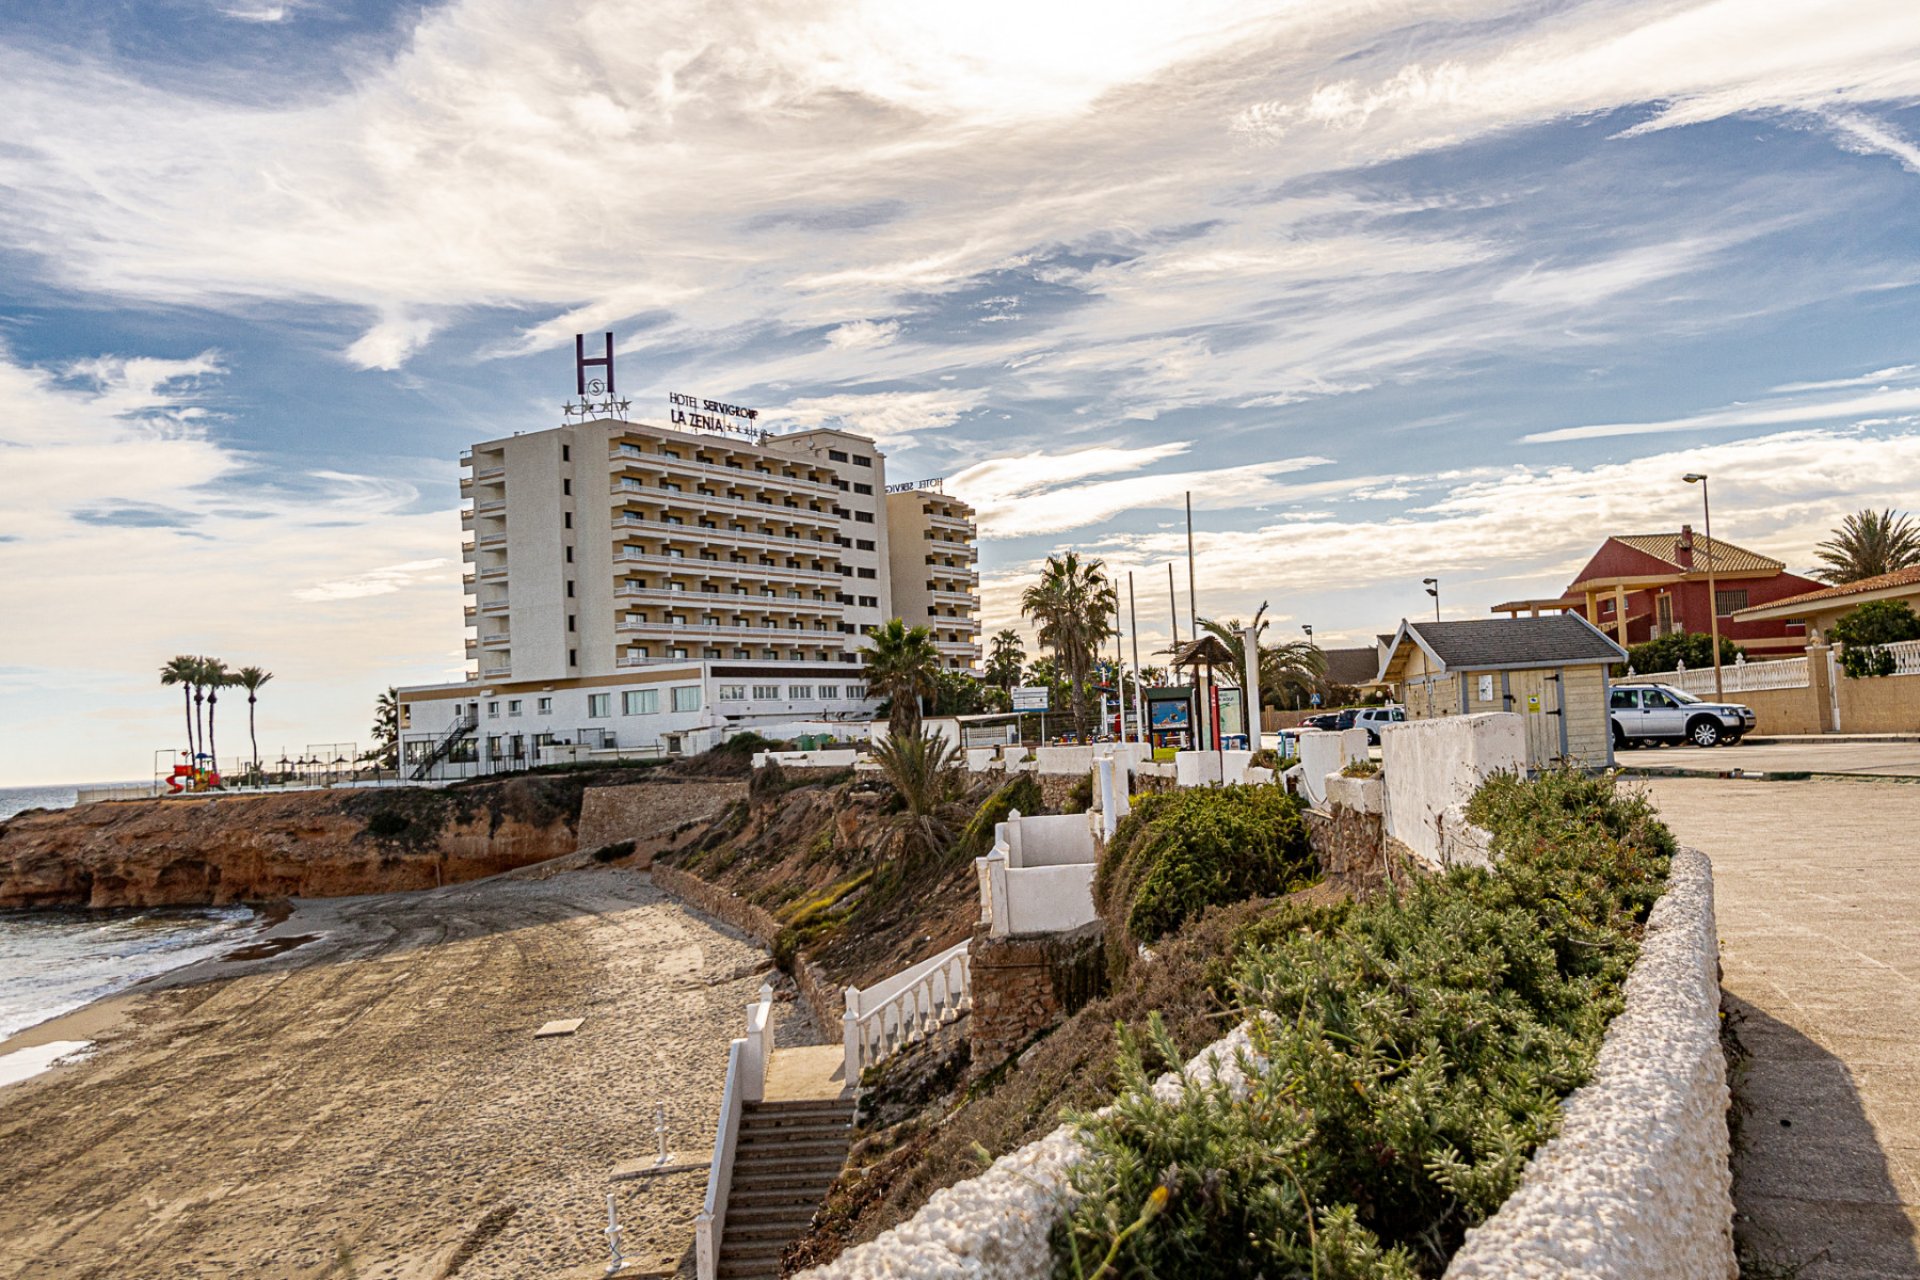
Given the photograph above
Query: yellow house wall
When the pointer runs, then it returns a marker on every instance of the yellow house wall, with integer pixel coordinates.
(1879, 704)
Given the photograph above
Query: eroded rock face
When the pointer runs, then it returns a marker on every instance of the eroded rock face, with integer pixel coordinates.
(148, 853)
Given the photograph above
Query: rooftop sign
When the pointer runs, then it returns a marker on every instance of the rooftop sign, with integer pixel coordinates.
(914, 485)
(700, 414)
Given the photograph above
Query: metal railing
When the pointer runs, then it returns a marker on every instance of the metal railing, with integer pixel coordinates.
(900, 1010)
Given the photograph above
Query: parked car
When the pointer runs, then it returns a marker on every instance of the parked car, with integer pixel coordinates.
(1645, 714)
(1371, 718)
(1331, 720)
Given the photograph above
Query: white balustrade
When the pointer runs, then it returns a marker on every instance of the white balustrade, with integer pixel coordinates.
(1736, 677)
(899, 1010)
(747, 1061)
(1906, 657)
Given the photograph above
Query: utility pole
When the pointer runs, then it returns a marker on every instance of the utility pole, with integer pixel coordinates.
(1713, 590)
(1139, 698)
(1173, 604)
(1250, 654)
(1193, 608)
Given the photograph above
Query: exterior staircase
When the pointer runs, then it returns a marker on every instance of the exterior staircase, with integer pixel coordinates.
(788, 1155)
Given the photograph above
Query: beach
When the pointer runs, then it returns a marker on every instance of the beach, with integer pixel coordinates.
(359, 1093)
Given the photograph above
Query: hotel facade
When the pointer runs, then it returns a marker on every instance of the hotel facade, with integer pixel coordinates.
(638, 589)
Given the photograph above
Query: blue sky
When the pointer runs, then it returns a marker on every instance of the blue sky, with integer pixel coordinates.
(1393, 291)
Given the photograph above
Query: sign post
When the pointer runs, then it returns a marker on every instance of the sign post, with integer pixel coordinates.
(1034, 697)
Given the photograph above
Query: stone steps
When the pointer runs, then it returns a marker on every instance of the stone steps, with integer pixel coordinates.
(785, 1159)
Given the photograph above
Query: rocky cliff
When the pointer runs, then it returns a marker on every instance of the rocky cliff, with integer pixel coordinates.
(310, 844)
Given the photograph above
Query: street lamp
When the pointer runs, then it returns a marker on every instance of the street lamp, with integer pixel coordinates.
(1713, 593)
(1433, 589)
(1308, 628)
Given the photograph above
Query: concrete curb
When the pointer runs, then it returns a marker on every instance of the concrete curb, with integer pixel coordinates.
(1637, 1182)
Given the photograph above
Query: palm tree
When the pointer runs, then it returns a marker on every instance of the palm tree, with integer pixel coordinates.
(924, 770)
(1006, 658)
(902, 665)
(1868, 544)
(1074, 605)
(250, 679)
(183, 669)
(1288, 672)
(386, 730)
(214, 677)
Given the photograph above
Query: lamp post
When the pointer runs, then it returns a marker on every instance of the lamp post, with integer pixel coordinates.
(1433, 589)
(1713, 591)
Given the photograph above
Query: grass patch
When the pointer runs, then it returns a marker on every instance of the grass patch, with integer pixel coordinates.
(1413, 1053)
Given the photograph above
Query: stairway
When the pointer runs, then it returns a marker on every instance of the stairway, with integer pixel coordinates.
(787, 1155)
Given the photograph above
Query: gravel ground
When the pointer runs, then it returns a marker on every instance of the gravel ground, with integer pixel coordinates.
(373, 1104)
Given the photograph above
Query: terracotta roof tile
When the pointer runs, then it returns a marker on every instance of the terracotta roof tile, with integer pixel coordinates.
(1726, 557)
(1898, 578)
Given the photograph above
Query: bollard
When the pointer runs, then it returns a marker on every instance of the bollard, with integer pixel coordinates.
(613, 1238)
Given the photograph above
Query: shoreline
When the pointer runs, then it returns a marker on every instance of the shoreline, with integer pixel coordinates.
(375, 1093)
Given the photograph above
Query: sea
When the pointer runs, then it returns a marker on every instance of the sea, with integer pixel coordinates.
(55, 961)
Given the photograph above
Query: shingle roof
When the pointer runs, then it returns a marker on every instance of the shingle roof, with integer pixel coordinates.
(1726, 557)
(1493, 643)
(1352, 666)
(1898, 578)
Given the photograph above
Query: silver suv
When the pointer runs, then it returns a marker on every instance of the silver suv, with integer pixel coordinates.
(1644, 714)
(1371, 718)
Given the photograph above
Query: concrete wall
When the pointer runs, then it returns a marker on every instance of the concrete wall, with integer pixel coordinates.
(1637, 1182)
(1322, 753)
(1050, 840)
(1433, 767)
(1880, 704)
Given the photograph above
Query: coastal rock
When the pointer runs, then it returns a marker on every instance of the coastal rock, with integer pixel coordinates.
(310, 844)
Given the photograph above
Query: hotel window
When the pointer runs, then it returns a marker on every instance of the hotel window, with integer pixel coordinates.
(799, 691)
(543, 706)
(569, 555)
(836, 455)
(569, 617)
(829, 691)
(733, 693)
(855, 692)
(513, 706)
(493, 711)
(686, 697)
(573, 657)
(566, 519)
(566, 454)
(870, 602)
(1725, 602)
(864, 517)
(640, 702)
(866, 573)
(864, 488)
(566, 487)
(864, 544)
(676, 653)
(569, 591)
(766, 692)
(860, 461)
(599, 706)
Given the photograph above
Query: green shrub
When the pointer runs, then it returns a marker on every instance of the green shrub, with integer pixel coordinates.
(1412, 1051)
(1079, 795)
(1021, 792)
(1360, 769)
(1866, 629)
(1180, 852)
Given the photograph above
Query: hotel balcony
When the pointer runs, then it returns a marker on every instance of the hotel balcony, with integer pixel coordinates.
(496, 672)
(955, 523)
(499, 640)
(629, 458)
(492, 507)
(764, 635)
(727, 571)
(957, 599)
(473, 647)
(728, 601)
(491, 540)
(694, 504)
(467, 581)
(628, 528)
(493, 573)
(494, 606)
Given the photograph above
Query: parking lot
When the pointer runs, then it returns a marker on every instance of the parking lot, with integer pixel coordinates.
(1887, 759)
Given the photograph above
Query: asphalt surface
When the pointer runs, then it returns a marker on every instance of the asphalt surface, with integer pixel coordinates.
(1817, 888)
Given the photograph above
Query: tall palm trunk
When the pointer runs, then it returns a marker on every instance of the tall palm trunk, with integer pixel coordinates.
(252, 736)
(199, 721)
(213, 752)
(186, 693)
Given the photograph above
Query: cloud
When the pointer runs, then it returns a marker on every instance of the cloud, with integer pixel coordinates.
(1040, 493)
(890, 417)
(1866, 136)
(381, 582)
(864, 335)
(1886, 402)
(258, 13)
(388, 344)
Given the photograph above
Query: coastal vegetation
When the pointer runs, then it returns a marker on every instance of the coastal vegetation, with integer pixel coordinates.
(1409, 1053)
(1074, 607)
(200, 680)
(902, 667)
(1868, 544)
(1863, 632)
(1290, 673)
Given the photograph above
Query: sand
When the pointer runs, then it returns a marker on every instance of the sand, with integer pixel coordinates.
(373, 1103)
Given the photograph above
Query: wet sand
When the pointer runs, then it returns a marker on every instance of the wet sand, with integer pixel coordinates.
(371, 1102)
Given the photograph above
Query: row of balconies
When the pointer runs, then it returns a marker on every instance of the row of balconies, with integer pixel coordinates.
(766, 655)
(631, 491)
(728, 599)
(699, 535)
(626, 457)
(720, 631)
(725, 570)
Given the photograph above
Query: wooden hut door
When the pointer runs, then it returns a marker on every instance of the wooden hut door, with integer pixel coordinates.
(1537, 698)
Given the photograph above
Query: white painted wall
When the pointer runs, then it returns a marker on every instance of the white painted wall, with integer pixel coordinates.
(1323, 752)
(1432, 769)
(1064, 759)
(1050, 840)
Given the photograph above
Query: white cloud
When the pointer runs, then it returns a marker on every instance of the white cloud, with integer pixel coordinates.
(383, 581)
(388, 344)
(1885, 402)
(864, 335)
(890, 417)
(1867, 136)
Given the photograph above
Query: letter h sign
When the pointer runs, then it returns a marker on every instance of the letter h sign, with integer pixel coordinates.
(581, 364)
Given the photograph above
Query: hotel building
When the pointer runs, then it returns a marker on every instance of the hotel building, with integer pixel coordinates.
(640, 589)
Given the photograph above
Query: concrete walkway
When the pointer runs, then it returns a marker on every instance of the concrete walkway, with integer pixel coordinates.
(1818, 897)
(807, 1073)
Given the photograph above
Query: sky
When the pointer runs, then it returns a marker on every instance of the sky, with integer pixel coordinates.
(1393, 291)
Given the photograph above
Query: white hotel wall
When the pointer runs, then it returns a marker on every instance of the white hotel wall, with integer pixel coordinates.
(429, 718)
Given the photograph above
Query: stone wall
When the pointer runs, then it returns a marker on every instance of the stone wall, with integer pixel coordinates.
(1022, 986)
(824, 1000)
(650, 810)
(1056, 788)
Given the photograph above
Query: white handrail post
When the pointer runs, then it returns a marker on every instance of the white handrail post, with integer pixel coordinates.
(1000, 921)
(850, 1034)
(1109, 806)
